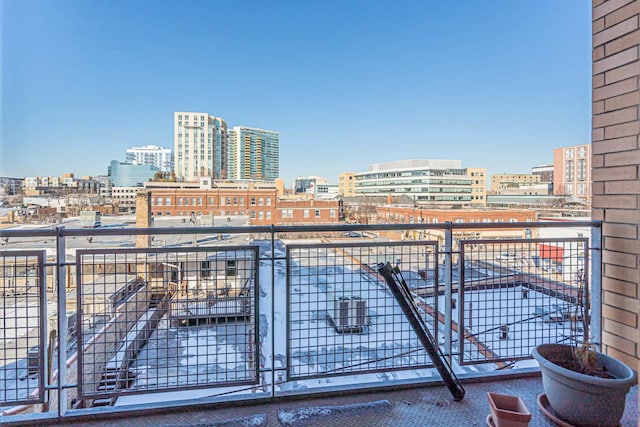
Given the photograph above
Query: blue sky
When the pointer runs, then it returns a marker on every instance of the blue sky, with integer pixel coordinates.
(496, 84)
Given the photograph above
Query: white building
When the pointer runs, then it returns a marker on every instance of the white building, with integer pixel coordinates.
(200, 146)
(426, 181)
(162, 158)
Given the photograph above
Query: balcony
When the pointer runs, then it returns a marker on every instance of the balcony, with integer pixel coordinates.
(207, 318)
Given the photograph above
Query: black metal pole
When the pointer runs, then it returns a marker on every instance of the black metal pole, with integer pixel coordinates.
(401, 293)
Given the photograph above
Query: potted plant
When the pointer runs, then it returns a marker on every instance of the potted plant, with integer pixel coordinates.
(582, 386)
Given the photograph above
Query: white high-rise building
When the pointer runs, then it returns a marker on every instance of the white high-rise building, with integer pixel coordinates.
(162, 158)
(200, 146)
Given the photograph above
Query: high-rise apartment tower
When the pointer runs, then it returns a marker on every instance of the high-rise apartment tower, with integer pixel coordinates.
(253, 153)
(200, 146)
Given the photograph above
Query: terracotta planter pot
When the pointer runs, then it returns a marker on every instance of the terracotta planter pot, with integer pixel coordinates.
(583, 399)
(508, 411)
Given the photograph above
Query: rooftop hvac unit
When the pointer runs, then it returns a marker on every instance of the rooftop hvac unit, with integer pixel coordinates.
(349, 314)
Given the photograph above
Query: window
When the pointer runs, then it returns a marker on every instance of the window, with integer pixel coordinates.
(167, 213)
(253, 201)
(200, 201)
(205, 268)
(582, 170)
(268, 201)
(212, 201)
(306, 213)
(235, 200)
(179, 201)
(268, 214)
(231, 268)
(261, 201)
(167, 201)
(159, 201)
(317, 213)
(568, 171)
(242, 200)
(260, 215)
(253, 215)
(193, 201)
(228, 201)
(287, 213)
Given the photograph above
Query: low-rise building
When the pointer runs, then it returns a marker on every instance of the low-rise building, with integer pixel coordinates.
(418, 215)
(438, 182)
(506, 181)
(257, 200)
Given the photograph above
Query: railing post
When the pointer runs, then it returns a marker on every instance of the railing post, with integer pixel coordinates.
(448, 285)
(596, 285)
(273, 311)
(61, 290)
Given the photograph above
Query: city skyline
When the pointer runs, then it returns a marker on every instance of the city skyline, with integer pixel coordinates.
(344, 90)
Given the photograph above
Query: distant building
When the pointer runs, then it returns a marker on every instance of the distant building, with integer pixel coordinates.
(417, 215)
(544, 171)
(124, 174)
(505, 181)
(253, 153)
(162, 158)
(65, 184)
(105, 185)
(280, 186)
(572, 176)
(347, 184)
(311, 186)
(10, 186)
(125, 198)
(478, 185)
(200, 146)
(425, 181)
(256, 200)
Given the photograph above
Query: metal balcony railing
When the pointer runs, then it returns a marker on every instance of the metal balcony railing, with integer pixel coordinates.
(237, 313)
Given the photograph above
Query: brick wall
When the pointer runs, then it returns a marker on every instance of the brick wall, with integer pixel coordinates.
(615, 161)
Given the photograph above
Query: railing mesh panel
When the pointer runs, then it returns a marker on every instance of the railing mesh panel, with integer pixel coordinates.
(162, 319)
(517, 294)
(342, 318)
(22, 329)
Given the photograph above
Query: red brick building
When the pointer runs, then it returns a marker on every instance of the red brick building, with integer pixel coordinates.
(259, 202)
(411, 215)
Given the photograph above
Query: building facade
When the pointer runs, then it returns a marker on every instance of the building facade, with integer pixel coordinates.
(544, 171)
(505, 181)
(253, 153)
(478, 186)
(425, 181)
(67, 183)
(124, 198)
(347, 184)
(416, 215)
(572, 176)
(123, 174)
(615, 167)
(10, 186)
(258, 201)
(162, 158)
(200, 146)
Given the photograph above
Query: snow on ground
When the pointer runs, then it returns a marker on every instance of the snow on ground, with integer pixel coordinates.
(218, 354)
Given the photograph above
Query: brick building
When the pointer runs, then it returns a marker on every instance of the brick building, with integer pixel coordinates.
(615, 162)
(416, 215)
(259, 202)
